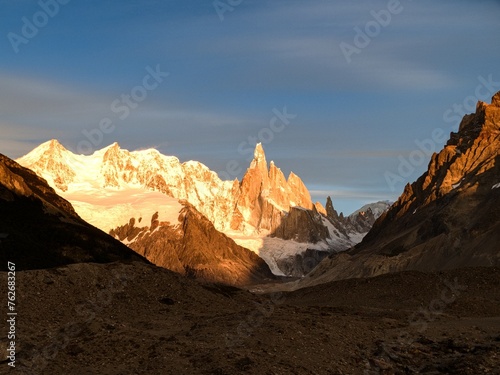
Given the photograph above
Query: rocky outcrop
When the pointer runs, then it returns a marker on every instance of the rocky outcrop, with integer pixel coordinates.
(301, 225)
(194, 248)
(363, 221)
(320, 208)
(17, 182)
(300, 264)
(446, 219)
(41, 230)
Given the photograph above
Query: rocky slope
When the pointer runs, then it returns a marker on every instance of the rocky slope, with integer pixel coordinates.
(446, 219)
(264, 203)
(131, 319)
(191, 246)
(39, 229)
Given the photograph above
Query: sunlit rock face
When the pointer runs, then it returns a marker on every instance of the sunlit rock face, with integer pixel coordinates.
(447, 218)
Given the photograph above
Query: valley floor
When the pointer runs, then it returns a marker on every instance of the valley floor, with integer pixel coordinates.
(139, 319)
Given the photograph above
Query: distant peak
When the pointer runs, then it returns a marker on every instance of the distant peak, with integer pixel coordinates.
(259, 151)
(52, 147)
(112, 152)
(114, 146)
(53, 144)
(50, 157)
(259, 158)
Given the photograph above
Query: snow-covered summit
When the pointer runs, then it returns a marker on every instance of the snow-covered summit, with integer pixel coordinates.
(377, 208)
(113, 168)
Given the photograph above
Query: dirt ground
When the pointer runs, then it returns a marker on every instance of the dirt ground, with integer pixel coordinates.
(139, 319)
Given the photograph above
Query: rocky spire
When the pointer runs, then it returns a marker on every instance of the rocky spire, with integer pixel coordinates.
(266, 195)
(330, 211)
(259, 159)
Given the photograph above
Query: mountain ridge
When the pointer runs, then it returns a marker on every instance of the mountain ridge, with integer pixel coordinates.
(448, 218)
(190, 245)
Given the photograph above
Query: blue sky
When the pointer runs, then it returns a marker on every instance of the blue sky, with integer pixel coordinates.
(357, 118)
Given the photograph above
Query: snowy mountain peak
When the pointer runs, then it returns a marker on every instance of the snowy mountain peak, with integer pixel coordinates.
(113, 151)
(377, 208)
(52, 147)
(114, 147)
(51, 161)
(54, 144)
(82, 177)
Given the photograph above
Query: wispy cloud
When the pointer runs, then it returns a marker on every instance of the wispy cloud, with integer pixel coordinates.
(353, 120)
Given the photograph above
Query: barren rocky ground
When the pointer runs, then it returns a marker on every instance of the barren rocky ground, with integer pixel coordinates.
(139, 319)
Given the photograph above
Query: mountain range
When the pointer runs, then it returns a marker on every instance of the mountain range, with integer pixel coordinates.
(419, 293)
(154, 204)
(266, 212)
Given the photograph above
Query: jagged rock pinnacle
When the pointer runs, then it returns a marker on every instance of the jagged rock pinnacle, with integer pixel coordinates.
(330, 211)
(259, 159)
